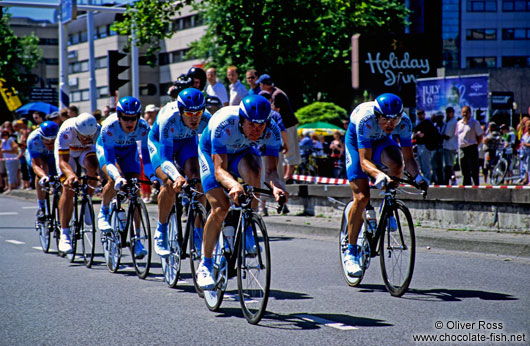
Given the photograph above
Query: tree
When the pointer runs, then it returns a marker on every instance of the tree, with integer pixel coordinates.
(18, 55)
(303, 45)
(322, 111)
(152, 21)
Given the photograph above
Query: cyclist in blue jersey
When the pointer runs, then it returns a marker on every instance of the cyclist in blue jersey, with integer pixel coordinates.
(39, 155)
(173, 142)
(117, 153)
(228, 150)
(379, 133)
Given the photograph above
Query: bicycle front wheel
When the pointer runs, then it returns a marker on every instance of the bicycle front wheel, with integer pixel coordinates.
(499, 172)
(88, 232)
(254, 272)
(140, 236)
(171, 264)
(56, 224)
(112, 242)
(214, 298)
(74, 235)
(397, 249)
(44, 229)
(196, 220)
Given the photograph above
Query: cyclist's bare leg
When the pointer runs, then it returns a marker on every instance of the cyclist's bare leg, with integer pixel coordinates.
(219, 209)
(108, 191)
(361, 197)
(166, 197)
(191, 168)
(392, 158)
(91, 166)
(250, 170)
(66, 206)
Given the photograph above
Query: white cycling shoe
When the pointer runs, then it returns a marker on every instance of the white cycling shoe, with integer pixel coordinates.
(103, 223)
(205, 278)
(65, 244)
(352, 264)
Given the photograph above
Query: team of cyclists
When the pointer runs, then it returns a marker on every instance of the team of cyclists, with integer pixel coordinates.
(186, 142)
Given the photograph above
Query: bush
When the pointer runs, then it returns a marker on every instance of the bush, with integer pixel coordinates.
(321, 111)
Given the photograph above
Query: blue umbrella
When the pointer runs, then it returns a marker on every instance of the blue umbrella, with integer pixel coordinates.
(43, 107)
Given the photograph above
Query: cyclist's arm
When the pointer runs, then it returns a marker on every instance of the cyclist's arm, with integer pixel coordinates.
(64, 157)
(146, 159)
(36, 164)
(271, 175)
(411, 165)
(368, 167)
(165, 146)
(109, 155)
(220, 162)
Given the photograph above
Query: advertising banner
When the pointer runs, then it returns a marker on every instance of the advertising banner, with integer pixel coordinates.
(436, 94)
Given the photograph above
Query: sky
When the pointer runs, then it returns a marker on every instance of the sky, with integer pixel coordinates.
(45, 13)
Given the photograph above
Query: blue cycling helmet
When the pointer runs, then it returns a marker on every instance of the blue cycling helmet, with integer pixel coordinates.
(255, 108)
(48, 130)
(389, 106)
(129, 105)
(191, 100)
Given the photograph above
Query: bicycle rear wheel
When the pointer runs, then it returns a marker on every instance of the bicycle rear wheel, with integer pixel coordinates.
(74, 235)
(499, 172)
(88, 232)
(171, 264)
(214, 298)
(112, 242)
(254, 273)
(140, 233)
(343, 245)
(44, 228)
(397, 250)
(56, 224)
(199, 215)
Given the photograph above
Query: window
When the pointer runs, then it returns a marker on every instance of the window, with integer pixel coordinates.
(78, 66)
(48, 41)
(101, 62)
(481, 5)
(516, 61)
(144, 60)
(48, 61)
(101, 32)
(163, 59)
(481, 62)
(516, 34)
(186, 22)
(102, 92)
(515, 5)
(481, 34)
(147, 90)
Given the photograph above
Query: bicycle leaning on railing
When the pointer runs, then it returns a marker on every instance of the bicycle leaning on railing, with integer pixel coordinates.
(82, 224)
(506, 168)
(394, 242)
(135, 224)
(50, 222)
(190, 210)
(253, 264)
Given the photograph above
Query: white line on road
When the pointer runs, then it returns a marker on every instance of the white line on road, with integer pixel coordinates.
(32, 207)
(327, 323)
(37, 248)
(16, 242)
(5, 213)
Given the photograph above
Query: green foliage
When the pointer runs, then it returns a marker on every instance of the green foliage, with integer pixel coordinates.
(321, 111)
(304, 45)
(18, 55)
(152, 20)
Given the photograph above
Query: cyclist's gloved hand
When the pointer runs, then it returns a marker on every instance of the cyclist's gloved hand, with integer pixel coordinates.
(421, 182)
(119, 183)
(381, 180)
(44, 180)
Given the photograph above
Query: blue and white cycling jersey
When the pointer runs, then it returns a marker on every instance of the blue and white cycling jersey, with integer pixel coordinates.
(365, 132)
(114, 146)
(36, 148)
(170, 137)
(223, 135)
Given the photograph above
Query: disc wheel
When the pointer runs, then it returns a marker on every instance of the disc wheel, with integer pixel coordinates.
(254, 273)
(140, 236)
(88, 232)
(397, 250)
(197, 219)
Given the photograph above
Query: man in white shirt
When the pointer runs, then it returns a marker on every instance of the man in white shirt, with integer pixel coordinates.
(214, 87)
(450, 146)
(237, 89)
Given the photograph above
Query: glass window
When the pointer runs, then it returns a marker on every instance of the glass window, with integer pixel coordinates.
(102, 91)
(515, 61)
(515, 5)
(519, 34)
(102, 31)
(85, 95)
(481, 5)
(83, 36)
(84, 66)
(147, 90)
(481, 62)
(163, 59)
(176, 56)
(101, 62)
(76, 96)
(186, 22)
(75, 38)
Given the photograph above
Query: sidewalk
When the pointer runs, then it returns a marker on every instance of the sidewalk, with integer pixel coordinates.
(495, 243)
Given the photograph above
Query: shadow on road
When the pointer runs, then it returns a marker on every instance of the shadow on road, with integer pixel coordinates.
(303, 320)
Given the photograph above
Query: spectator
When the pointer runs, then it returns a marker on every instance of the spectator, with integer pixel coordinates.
(38, 118)
(337, 155)
(425, 136)
(106, 112)
(98, 115)
(508, 136)
(280, 103)
(437, 166)
(252, 79)
(213, 104)
(450, 146)
(345, 124)
(216, 88)
(469, 135)
(492, 142)
(55, 117)
(237, 89)
(63, 113)
(198, 77)
(9, 150)
(524, 150)
(21, 137)
(150, 114)
(318, 148)
(73, 111)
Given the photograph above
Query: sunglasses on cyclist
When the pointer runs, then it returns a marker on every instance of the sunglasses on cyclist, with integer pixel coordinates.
(128, 119)
(393, 120)
(193, 114)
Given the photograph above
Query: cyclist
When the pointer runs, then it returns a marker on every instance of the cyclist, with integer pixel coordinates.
(117, 154)
(174, 135)
(39, 155)
(228, 147)
(74, 149)
(369, 143)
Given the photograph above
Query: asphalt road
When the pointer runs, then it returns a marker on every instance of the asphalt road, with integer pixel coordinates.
(47, 301)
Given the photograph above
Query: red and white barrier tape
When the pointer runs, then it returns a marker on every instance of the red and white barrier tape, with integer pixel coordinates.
(336, 181)
(9, 159)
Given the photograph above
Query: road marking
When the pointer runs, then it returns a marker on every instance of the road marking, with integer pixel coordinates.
(37, 248)
(5, 213)
(32, 207)
(16, 242)
(327, 323)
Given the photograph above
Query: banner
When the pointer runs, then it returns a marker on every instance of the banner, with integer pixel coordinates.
(436, 94)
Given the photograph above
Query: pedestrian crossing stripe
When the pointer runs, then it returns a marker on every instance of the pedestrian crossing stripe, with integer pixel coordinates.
(327, 323)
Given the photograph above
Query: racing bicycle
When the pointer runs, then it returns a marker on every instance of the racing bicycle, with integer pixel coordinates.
(50, 222)
(395, 244)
